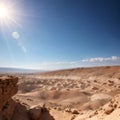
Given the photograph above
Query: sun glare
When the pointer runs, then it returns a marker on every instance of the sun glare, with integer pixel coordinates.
(8, 13)
(4, 11)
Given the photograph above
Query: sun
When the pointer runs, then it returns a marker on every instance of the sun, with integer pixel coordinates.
(4, 11)
(9, 14)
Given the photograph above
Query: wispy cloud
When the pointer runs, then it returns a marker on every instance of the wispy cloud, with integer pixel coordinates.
(98, 61)
(56, 65)
(72, 62)
(102, 59)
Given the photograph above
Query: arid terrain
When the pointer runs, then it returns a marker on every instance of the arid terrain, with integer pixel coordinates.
(73, 94)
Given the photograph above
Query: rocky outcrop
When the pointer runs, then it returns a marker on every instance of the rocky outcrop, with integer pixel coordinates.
(35, 113)
(13, 109)
(8, 88)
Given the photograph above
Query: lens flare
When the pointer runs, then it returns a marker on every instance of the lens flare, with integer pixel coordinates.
(11, 19)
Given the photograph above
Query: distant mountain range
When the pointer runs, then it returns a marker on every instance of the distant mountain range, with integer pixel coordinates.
(17, 70)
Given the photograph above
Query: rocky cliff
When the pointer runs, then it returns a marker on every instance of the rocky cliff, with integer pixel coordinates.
(8, 88)
(13, 109)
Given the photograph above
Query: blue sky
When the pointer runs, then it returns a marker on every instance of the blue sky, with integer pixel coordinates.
(58, 34)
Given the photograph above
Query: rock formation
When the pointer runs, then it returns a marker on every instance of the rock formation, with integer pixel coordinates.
(12, 108)
(8, 88)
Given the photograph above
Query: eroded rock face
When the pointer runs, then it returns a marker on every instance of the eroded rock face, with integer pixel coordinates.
(35, 113)
(8, 110)
(21, 112)
(8, 88)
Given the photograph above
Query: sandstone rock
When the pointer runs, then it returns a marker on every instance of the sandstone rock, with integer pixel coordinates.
(8, 88)
(8, 109)
(109, 111)
(35, 113)
(67, 110)
(74, 111)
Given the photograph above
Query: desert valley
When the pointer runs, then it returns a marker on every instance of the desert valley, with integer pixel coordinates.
(59, 59)
(71, 94)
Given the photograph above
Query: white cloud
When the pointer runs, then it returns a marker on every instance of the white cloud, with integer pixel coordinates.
(102, 59)
(115, 58)
(98, 61)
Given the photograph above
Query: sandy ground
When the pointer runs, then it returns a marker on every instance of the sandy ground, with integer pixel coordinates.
(77, 94)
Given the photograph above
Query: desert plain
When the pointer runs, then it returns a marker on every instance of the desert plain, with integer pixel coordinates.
(71, 94)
